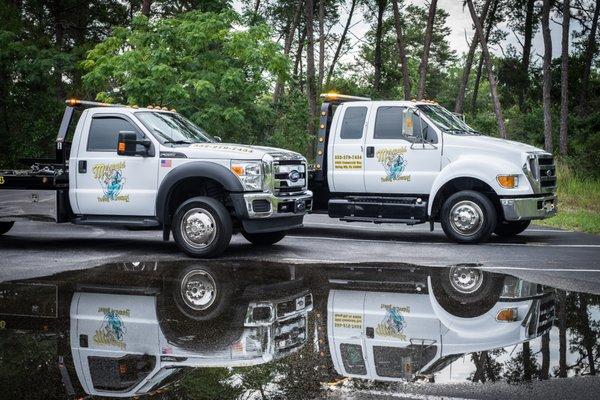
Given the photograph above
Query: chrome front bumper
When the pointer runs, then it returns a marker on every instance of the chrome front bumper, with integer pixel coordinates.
(527, 208)
(282, 206)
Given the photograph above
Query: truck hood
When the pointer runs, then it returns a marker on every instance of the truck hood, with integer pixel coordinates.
(235, 151)
(455, 146)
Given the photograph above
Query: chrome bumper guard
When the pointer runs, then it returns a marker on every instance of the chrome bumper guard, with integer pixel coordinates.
(526, 208)
(267, 205)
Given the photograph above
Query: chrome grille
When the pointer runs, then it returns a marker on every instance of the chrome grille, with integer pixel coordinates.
(546, 172)
(290, 176)
(546, 316)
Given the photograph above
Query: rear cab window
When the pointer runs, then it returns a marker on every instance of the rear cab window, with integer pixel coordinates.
(353, 123)
(353, 359)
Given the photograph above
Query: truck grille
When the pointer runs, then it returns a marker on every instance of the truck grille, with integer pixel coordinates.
(290, 335)
(546, 172)
(290, 176)
(546, 316)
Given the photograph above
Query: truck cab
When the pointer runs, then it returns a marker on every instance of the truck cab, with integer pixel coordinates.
(151, 167)
(414, 162)
(412, 331)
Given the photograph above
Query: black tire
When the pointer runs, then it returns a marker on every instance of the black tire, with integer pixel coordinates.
(212, 214)
(5, 227)
(511, 228)
(188, 287)
(463, 302)
(264, 239)
(477, 203)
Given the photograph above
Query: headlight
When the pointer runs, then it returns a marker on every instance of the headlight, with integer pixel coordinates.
(508, 181)
(249, 173)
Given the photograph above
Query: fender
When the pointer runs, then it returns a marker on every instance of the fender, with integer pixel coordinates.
(194, 169)
(484, 169)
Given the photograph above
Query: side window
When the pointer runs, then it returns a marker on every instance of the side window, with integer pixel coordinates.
(388, 123)
(104, 133)
(353, 123)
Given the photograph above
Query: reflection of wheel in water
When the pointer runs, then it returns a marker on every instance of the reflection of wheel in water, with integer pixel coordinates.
(140, 266)
(200, 293)
(5, 227)
(465, 290)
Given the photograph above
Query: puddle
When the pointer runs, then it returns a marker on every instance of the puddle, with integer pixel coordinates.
(245, 330)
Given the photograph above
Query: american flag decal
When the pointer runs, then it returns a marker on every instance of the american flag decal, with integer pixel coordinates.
(165, 163)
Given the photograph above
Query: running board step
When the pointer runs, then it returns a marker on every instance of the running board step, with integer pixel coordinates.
(379, 209)
(382, 220)
(117, 220)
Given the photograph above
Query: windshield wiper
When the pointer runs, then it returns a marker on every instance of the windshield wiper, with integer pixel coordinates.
(458, 130)
(179, 142)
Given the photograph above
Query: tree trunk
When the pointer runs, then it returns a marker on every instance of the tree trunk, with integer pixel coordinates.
(299, 50)
(488, 65)
(377, 62)
(562, 333)
(488, 31)
(526, 51)
(310, 72)
(401, 50)
(589, 337)
(426, 47)
(341, 43)
(564, 79)
(321, 43)
(146, 7)
(287, 46)
(590, 51)
(462, 87)
(527, 367)
(547, 77)
(545, 369)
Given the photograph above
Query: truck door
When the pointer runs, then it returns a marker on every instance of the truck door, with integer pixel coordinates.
(114, 341)
(346, 166)
(401, 334)
(397, 160)
(109, 184)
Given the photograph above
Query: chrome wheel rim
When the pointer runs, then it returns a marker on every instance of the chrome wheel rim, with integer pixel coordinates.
(198, 228)
(466, 218)
(198, 290)
(466, 279)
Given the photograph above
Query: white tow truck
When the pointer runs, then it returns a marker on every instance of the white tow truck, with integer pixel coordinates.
(414, 162)
(125, 341)
(402, 330)
(151, 167)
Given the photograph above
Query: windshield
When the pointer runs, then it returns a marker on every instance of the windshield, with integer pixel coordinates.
(446, 121)
(173, 128)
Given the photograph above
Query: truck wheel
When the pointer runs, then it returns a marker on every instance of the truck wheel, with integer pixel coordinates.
(5, 227)
(511, 228)
(466, 291)
(200, 293)
(202, 227)
(468, 217)
(264, 239)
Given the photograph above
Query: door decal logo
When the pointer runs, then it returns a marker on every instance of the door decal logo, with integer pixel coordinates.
(393, 323)
(348, 161)
(112, 331)
(394, 164)
(112, 181)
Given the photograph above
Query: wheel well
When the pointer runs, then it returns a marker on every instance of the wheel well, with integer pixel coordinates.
(456, 185)
(193, 187)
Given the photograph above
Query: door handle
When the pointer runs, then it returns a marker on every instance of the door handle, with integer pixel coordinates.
(370, 332)
(82, 166)
(370, 151)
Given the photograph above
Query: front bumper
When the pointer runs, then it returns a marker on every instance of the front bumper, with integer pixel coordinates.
(527, 208)
(267, 205)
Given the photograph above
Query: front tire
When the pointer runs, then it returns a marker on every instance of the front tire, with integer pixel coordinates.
(511, 228)
(264, 239)
(468, 217)
(5, 227)
(202, 227)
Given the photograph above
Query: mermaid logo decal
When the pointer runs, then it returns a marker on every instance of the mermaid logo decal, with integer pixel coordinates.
(112, 331)
(393, 323)
(112, 181)
(394, 164)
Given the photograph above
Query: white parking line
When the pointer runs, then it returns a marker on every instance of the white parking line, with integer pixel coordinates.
(372, 228)
(594, 246)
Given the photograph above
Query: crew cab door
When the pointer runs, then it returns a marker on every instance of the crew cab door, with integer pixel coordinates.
(346, 165)
(109, 184)
(397, 160)
(114, 341)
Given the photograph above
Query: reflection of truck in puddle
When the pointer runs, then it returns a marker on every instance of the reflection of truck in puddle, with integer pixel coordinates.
(126, 341)
(406, 330)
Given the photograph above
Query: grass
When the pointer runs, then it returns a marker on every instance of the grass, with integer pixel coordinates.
(578, 203)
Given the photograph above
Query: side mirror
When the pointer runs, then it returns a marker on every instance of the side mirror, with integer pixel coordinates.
(127, 145)
(218, 139)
